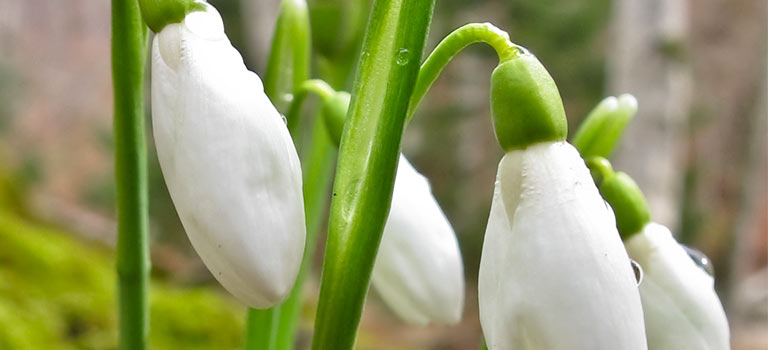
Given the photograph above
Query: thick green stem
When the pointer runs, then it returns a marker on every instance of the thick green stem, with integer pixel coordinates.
(450, 46)
(128, 55)
(368, 154)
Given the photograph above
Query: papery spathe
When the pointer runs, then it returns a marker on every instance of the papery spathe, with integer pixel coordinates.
(553, 272)
(228, 160)
(682, 311)
(419, 271)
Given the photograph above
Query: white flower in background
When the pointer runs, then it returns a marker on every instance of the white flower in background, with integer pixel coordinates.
(228, 160)
(419, 271)
(681, 308)
(553, 273)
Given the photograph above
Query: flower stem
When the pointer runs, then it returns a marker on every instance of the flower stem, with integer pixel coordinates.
(368, 154)
(450, 46)
(288, 63)
(317, 86)
(128, 54)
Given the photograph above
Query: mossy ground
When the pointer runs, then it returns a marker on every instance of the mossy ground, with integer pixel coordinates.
(57, 292)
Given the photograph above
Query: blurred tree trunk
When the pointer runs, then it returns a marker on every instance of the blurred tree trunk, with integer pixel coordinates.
(724, 210)
(646, 59)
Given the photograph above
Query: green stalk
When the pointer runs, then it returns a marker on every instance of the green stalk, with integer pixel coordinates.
(368, 154)
(288, 63)
(338, 43)
(133, 264)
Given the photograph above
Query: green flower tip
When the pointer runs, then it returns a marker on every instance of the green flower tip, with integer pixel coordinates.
(159, 13)
(624, 196)
(334, 112)
(601, 130)
(525, 103)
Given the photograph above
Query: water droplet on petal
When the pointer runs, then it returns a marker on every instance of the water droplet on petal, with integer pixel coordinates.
(638, 271)
(285, 120)
(700, 259)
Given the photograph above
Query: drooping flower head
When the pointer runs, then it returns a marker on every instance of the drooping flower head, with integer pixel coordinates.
(228, 160)
(418, 270)
(553, 272)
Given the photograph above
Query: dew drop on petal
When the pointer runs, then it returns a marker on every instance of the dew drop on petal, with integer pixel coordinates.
(638, 270)
(700, 259)
(285, 120)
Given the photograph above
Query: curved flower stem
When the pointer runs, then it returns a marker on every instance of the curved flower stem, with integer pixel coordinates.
(128, 54)
(368, 155)
(317, 86)
(450, 46)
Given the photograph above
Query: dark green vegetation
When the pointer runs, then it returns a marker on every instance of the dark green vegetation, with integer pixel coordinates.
(57, 292)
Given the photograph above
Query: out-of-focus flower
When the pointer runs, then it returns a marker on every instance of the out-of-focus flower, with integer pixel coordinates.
(228, 160)
(419, 271)
(681, 308)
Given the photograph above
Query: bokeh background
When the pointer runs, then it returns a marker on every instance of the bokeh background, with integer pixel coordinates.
(697, 148)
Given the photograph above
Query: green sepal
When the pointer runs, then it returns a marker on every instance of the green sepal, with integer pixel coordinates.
(525, 104)
(601, 129)
(334, 112)
(159, 13)
(624, 196)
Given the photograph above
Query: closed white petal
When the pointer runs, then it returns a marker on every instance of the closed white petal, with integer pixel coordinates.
(682, 311)
(419, 271)
(228, 160)
(553, 273)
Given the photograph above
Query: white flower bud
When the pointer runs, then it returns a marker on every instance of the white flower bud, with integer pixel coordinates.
(228, 160)
(553, 273)
(419, 271)
(682, 311)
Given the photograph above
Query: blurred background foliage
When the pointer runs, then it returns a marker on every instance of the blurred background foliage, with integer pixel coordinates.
(697, 148)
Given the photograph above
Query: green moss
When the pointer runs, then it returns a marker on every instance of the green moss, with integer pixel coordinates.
(59, 293)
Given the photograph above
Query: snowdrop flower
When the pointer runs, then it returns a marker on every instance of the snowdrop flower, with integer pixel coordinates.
(419, 271)
(228, 160)
(553, 272)
(681, 308)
